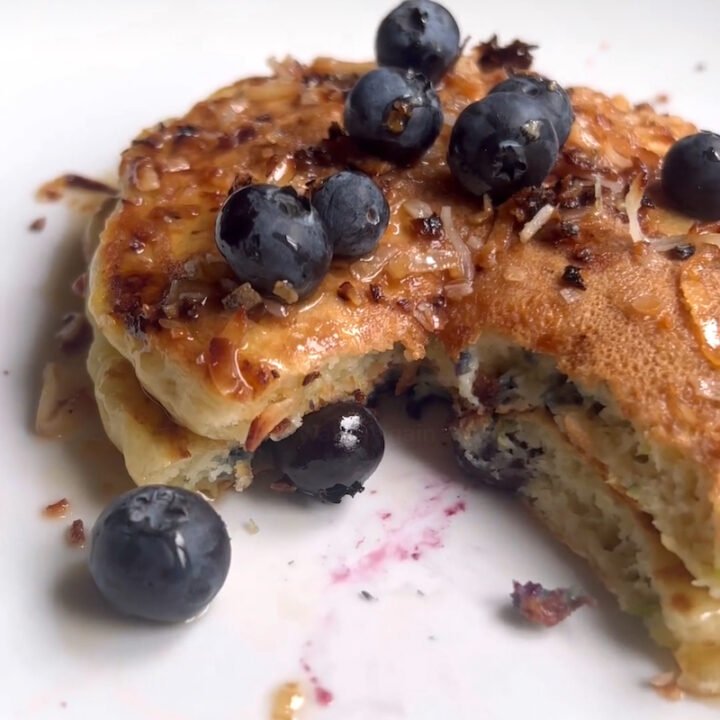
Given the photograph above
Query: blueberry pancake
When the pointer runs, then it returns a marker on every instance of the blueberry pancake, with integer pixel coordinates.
(566, 304)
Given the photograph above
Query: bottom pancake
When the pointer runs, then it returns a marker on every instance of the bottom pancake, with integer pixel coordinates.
(156, 449)
(522, 423)
(573, 496)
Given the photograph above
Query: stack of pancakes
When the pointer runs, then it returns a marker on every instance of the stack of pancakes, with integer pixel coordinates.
(580, 346)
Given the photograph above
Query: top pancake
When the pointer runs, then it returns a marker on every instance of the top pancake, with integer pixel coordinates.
(643, 327)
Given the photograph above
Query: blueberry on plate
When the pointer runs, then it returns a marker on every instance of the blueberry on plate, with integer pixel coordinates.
(420, 35)
(159, 553)
(393, 113)
(273, 239)
(501, 144)
(691, 175)
(355, 212)
(551, 96)
(333, 452)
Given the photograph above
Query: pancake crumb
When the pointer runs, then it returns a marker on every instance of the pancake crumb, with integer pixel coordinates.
(546, 607)
(76, 534)
(665, 684)
(58, 509)
(38, 224)
(251, 527)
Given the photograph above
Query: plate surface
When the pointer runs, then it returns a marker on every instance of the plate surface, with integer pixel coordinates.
(438, 557)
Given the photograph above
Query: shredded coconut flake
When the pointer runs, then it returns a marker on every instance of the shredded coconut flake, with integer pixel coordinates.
(457, 290)
(709, 388)
(598, 193)
(570, 295)
(463, 251)
(532, 227)
(707, 239)
(633, 201)
(368, 268)
(417, 209)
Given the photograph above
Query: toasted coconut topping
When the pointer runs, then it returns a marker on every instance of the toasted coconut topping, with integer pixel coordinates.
(417, 209)
(531, 228)
(633, 203)
(467, 268)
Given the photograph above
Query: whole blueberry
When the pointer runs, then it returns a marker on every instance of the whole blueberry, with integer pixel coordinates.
(273, 239)
(333, 452)
(691, 175)
(393, 113)
(159, 553)
(355, 212)
(552, 97)
(501, 144)
(420, 35)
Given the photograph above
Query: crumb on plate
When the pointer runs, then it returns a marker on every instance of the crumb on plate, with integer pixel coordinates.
(76, 534)
(546, 607)
(57, 509)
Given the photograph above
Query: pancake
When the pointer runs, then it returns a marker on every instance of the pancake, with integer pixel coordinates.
(572, 494)
(156, 449)
(565, 308)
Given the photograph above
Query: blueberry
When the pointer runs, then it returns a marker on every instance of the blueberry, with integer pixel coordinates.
(394, 113)
(494, 455)
(159, 553)
(420, 35)
(501, 144)
(552, 97)
(333, 452)
(691, 175)
(273, 239)
(354, 211)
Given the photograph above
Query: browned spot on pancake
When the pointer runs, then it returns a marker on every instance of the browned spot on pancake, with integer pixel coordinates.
(681, 603)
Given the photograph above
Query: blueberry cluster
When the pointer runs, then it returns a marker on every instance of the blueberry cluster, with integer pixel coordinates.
(510, 139)
(162, 553)
(282, 243)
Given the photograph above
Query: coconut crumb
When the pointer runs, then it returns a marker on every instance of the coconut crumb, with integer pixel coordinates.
(251, 527)
(243, 296)
(665, 684)
(58, 509)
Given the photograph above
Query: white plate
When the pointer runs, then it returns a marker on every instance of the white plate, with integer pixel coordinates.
(79, 80)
